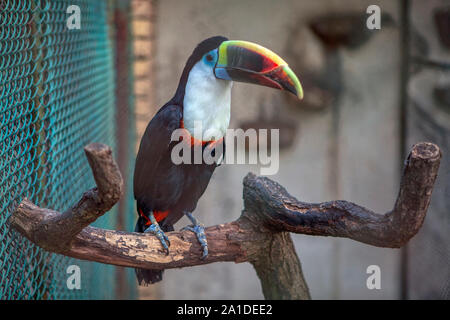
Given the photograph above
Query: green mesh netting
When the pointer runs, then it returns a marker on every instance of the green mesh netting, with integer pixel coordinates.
(56, 96)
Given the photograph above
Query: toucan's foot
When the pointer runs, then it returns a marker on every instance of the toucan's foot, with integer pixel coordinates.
(199, 231)
(155, 229)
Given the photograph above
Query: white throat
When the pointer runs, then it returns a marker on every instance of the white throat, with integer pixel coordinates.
(207, 103)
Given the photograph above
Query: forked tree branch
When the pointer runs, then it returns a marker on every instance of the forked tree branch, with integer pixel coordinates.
(260, 236)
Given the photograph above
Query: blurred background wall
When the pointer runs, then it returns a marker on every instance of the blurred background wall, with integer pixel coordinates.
(369, 95)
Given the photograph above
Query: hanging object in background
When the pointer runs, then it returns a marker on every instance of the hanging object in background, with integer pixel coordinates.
(334, 32)
(442, 21)
(324, 84)
(348, 29)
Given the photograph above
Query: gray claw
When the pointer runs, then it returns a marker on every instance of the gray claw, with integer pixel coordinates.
(156, 230)
(199, 231)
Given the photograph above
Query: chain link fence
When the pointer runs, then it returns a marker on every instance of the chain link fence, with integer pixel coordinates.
(57, 94)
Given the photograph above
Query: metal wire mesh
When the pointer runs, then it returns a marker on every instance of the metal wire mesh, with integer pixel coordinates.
(56, 96)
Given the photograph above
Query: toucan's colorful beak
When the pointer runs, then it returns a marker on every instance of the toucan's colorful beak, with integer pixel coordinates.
(249, 62)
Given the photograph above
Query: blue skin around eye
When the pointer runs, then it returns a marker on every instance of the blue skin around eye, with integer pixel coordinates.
(213, 54)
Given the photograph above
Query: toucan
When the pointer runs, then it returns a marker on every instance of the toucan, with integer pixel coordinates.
(165, 191)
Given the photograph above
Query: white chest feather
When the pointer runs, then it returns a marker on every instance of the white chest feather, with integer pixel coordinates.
(207, 101)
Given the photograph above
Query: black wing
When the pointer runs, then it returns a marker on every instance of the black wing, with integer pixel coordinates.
(154, 148)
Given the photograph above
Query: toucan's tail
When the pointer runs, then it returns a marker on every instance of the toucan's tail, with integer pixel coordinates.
(148, 276)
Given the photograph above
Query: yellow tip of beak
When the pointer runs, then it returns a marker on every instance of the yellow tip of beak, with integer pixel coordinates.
(296, 83)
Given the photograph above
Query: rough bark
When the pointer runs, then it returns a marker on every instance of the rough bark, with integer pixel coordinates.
(260, 236)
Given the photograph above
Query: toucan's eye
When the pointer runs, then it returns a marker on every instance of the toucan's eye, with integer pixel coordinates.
(210, 58)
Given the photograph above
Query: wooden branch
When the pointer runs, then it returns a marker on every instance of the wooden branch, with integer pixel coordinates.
(55, 232)
(260, 236)
(282, 212)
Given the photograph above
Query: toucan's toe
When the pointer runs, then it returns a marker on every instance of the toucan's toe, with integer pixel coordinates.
(156, 230)
(199, 231)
